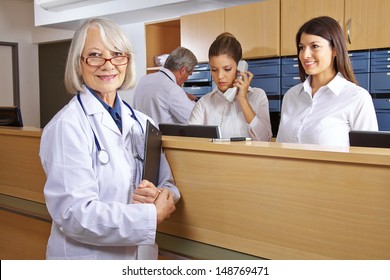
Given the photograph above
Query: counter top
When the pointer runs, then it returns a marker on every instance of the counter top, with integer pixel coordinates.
(21, 131)
(286, 150)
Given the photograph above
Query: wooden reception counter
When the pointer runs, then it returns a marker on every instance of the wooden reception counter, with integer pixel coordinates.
(25, 223)
(256, 199)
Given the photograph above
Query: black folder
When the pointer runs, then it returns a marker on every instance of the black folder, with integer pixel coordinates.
(152, 153)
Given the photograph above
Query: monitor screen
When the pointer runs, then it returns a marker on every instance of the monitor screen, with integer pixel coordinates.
(190, 130)
(375, 139)
(10, 116)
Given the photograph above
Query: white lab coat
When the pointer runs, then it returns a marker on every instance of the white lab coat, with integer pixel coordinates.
(161, 98)
(90, 202)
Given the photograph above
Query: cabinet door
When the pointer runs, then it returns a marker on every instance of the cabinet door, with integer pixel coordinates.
(198, 31)
(368, 22)
(257, 27)
(294, 13)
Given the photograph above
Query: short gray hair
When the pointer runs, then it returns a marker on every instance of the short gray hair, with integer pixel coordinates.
(114, 39)
(181, 57)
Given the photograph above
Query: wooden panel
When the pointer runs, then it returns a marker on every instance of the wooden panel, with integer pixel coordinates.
(22, 237)
(370, 23)
(271, 205)
(198, 31)
(257, 27)
(296, 12)
(21, 172)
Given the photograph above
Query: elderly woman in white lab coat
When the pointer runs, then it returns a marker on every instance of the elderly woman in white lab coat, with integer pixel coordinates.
(91, 152)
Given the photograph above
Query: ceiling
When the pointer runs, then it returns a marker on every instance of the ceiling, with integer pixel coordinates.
(129, 11)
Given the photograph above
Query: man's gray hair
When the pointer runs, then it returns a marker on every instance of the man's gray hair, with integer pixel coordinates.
(181, 57)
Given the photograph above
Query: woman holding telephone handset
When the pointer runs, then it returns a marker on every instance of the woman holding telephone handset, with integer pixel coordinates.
(239, 110)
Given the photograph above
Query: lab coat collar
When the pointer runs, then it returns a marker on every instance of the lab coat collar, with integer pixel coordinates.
(169, 74)
(94, 108)
(127, 120)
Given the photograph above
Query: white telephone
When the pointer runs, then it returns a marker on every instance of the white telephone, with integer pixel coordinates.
(231, 92)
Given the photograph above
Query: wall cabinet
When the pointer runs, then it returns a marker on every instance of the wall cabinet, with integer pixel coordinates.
(198, 31)
(368, 23)
(268, 28)
(365, 22)
(294, 13)
(255, 25)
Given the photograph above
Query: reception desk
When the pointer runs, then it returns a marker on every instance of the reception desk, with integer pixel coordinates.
(252, 199)
(24, 220)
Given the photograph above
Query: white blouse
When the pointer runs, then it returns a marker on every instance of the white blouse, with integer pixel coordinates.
(214, 109)
(326, 118)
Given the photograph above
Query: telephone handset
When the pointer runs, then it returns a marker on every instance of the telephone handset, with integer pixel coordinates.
(242, 67)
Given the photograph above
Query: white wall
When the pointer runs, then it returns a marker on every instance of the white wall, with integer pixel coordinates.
(16, 23)
(6, 83)
(136, 34)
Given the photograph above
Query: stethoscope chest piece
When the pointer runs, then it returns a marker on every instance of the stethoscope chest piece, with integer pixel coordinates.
(103, 157)
(102, 154)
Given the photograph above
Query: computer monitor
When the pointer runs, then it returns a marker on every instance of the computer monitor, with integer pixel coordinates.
(11, 116)
(190, 130)
(375, 139)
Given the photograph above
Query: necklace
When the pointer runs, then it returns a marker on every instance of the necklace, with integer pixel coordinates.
(223, 113)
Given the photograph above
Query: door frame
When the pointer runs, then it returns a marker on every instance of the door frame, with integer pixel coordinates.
(15, 70)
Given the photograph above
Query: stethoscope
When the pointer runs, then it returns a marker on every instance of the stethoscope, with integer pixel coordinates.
(102, 154)
(167, 76)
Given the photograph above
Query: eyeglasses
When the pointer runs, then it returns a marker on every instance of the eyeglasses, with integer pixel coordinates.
(100, 61)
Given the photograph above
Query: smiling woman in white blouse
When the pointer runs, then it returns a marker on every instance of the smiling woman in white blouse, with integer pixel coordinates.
(328, 103)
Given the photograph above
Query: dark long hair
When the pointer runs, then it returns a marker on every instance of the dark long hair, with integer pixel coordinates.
(329, 29)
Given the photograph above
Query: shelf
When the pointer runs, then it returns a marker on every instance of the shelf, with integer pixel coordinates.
(161, 38)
